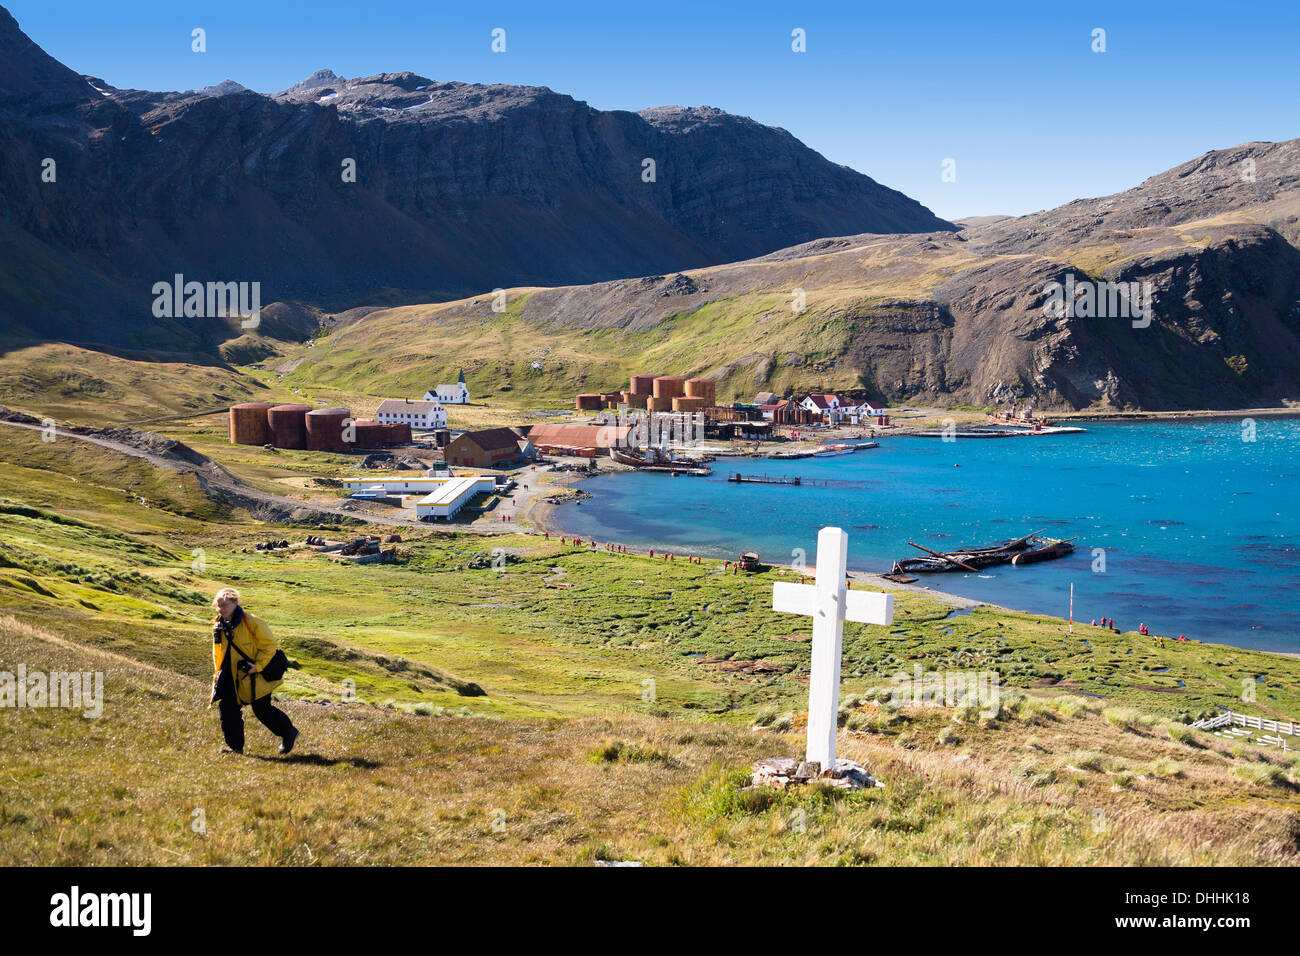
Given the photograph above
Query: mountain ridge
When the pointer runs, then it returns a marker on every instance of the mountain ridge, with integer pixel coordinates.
(931, 318)
(457, 188)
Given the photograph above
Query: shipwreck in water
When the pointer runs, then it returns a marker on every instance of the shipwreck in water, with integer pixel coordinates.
(1028, 549)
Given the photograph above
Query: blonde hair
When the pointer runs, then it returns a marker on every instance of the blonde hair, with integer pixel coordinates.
(225, 593)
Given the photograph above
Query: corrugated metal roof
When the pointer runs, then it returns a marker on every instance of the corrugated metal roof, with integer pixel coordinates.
(579, 436)
(493, 439)
(399, 406)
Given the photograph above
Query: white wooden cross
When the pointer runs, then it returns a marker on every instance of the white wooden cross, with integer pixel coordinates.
(829, 603)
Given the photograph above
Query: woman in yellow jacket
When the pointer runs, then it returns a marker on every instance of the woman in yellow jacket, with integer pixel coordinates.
(237, 678)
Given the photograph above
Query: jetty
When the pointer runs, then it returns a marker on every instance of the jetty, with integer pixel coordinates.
(795, 481)
(983, 432)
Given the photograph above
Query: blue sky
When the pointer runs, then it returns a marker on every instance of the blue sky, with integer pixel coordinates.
(1011, 91)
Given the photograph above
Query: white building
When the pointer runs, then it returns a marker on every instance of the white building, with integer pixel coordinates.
(862, 413)
(440, 497)
(403, 411)
(457, 394)
(372, 487)
(824, 404)
(452, 496)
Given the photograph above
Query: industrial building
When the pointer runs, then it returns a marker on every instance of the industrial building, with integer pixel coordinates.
(584, 441)
(390, 487)
(455, 493)
(441, 497)
(489, 448)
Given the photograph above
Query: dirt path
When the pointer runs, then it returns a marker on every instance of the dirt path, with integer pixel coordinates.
(216, 481)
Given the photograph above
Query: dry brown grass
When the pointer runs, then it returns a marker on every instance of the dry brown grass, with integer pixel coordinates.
(368, 785)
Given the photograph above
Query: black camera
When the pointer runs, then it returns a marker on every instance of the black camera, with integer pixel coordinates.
(246, 667)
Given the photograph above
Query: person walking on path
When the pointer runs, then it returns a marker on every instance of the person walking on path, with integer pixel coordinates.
(242, 647)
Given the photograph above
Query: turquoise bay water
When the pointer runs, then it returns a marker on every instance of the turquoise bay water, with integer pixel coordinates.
(1200, 530)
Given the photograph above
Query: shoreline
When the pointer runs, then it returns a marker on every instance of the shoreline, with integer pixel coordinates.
(955, 602)
(540, 513)
(1285, 411)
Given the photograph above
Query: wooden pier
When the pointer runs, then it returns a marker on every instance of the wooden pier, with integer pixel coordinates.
(764, 479)
(795, 480)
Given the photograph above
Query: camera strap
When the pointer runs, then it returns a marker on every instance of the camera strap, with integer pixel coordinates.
(230, 643)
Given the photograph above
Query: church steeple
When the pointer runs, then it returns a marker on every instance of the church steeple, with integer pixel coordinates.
(461, 379)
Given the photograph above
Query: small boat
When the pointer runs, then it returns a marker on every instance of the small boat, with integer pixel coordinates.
(899, 578)
(634, 457)
(826, 451)
(749, 561)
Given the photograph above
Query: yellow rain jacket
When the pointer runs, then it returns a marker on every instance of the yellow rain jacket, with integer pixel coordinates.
(253, 640)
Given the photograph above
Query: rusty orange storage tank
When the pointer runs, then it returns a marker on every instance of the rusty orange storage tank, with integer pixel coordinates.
(398, 433)
(248, 424)
(288, 424)
(368, 433)
(669, 386)
(702, 388)
(654, 404)
(588, 401)
(643, 384)
(325, 429)
(688, 404)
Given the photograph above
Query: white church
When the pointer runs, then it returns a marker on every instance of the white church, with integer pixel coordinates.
(457, 394)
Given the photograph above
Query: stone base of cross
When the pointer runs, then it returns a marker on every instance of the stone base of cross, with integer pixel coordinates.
(829, 603)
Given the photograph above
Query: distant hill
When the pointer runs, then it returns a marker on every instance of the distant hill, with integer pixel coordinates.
(937, 318)
(459, 188)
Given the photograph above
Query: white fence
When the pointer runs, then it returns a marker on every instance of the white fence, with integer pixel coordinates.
(1288, 727)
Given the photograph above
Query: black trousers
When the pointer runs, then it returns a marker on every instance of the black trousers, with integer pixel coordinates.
(232, 719)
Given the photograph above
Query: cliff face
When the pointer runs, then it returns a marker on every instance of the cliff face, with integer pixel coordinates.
(458, 188)
(934, 318)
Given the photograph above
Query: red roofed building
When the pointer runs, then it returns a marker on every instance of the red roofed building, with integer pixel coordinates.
(824, 403)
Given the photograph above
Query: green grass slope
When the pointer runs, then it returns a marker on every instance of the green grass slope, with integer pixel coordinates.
(461, 714)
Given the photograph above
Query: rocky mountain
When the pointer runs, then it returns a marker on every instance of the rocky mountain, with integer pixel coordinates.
(388, 188)
(936, 318)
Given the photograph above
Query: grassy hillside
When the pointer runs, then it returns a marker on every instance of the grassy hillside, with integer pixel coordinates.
(144, 784)
(612, 717)
(745, 340)
(560, 631)
(941, 319)
(97, 387)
